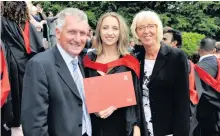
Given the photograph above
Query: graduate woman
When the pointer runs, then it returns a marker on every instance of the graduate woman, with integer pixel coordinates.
(112, 44)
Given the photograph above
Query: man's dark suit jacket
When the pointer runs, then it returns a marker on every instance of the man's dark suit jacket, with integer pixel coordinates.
(208, 109)
(168, 91)
(51, 103)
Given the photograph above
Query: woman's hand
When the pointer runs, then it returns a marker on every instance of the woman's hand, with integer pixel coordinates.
(106, 113)
(137, 131)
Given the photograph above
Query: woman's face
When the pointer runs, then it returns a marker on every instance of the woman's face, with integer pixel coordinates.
(146, 30)
(109, 31)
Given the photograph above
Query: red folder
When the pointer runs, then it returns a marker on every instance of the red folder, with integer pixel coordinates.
(101, 92)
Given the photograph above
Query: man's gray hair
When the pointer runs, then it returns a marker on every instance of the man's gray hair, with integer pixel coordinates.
(70, 12)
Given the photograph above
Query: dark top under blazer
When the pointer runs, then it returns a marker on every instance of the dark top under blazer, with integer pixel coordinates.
(168, 91)
(51, 103)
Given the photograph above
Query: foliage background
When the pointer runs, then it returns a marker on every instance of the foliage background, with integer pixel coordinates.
(196, 19)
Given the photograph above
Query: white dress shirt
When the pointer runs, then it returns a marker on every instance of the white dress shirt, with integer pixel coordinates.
(68, 60)
(205, 56)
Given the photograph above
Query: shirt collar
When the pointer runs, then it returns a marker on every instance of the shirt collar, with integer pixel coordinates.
(205, 56)
(67, 58)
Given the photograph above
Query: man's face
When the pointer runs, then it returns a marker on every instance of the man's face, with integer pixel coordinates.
(73, 35)
(167, 39)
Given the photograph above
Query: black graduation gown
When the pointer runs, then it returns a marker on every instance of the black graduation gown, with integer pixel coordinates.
(121, 122)
(17, 59)
(206, 115)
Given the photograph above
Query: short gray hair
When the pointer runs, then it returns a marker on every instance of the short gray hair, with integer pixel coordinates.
(147, 14)
(70, 12)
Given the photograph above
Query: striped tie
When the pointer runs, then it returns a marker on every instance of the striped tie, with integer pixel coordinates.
(77, 76)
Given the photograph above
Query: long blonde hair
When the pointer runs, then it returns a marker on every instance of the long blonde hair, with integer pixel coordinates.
(123, 41)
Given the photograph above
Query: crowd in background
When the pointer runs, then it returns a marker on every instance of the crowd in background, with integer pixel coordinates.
(176, 94)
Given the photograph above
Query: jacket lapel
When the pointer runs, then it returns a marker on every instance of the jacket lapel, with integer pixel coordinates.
(64, 72)
(160, 60)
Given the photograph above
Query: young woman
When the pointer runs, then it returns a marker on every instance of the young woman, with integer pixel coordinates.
(112, 44)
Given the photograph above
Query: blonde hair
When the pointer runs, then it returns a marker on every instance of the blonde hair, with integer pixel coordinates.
(147, 14)
(123, 41)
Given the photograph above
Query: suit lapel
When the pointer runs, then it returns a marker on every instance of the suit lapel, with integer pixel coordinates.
(160, 61)
(64, 72)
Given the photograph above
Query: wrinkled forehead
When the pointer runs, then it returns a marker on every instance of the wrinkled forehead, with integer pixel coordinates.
(77, 22)
(76, 19)
(145, 20)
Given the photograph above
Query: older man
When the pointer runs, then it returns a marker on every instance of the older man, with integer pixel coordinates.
(53, 101)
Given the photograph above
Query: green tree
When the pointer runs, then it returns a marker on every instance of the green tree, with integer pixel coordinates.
(191, 42)
(195, 16)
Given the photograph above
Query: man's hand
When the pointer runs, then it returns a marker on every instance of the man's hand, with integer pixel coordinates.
(106, 113)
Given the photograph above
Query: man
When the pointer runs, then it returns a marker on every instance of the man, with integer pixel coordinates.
(217, 53)
(208, 108)
(173, 38)
(51, 23)
(40, 17)
(53, 102)
(50, 14)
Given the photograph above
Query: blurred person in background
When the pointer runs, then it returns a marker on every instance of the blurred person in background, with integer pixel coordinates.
(217, 53)
(131, 47)
(34, 21)
(173, 38)
(38, 19)
(20, 42)
(42, 17)
(51, 23)
(207, 111)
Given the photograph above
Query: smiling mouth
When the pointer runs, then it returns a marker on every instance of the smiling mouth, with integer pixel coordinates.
(76, 45)
(147, 36)
(110, 38)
